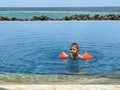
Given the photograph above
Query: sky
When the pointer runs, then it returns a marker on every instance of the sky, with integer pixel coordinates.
(58, 3)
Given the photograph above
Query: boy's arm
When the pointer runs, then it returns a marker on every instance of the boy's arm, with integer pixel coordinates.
(81, 57)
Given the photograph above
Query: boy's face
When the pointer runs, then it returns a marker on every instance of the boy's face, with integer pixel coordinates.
(74, 50)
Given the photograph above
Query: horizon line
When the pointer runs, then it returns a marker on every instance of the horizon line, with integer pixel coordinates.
(62, 7)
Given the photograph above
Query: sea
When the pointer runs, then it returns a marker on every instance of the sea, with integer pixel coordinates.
(54, 12)
(29, 50)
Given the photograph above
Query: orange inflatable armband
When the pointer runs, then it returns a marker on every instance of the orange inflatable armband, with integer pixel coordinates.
(63, 55)
(86, 56)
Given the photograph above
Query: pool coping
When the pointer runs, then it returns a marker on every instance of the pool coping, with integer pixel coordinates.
(60, 87)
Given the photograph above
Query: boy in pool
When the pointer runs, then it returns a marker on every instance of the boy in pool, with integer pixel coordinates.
(74, 51)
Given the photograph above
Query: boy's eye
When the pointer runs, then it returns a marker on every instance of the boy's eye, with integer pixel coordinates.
(72, 49)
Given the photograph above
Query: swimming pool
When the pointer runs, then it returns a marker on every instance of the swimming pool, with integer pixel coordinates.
(33, 47)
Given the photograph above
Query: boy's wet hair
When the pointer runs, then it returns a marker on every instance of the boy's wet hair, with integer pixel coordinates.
(75, 44)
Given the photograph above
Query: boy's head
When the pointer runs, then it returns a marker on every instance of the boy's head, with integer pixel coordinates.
(74, 48)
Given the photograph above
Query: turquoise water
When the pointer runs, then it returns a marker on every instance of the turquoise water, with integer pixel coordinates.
(55, 12)
(33, 48)
(31, 14)
(51, 14)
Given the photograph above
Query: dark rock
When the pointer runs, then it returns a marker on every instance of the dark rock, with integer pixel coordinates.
(77, 17)
(85, 17)
(35, 18)
(14, 19)
(41, 18)
(4, 18)
(67, 18)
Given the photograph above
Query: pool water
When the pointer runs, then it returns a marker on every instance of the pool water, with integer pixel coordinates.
(33, 47)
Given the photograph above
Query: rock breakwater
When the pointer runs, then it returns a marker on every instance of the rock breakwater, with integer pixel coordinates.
(75, 17)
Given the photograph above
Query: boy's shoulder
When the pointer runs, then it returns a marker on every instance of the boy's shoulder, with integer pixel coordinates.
(77, 57)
